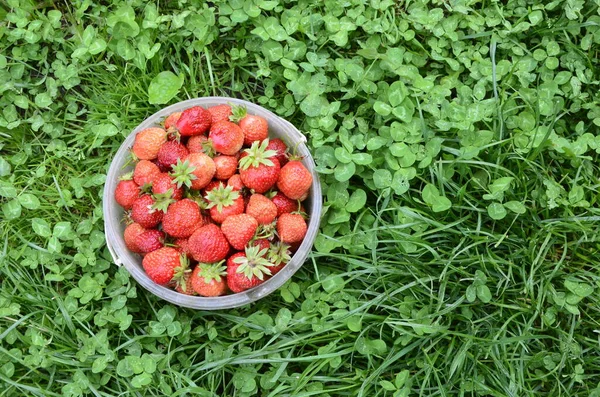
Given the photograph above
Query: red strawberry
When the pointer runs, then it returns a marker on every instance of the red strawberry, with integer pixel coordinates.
(284, 204)
(291, 228)
(181, 245)
(279, 255)
(145, 171)
(196, 171)
(209, 280)
(247, 269)
(160, 265)
(147, 143)
(199, 144)
(255, 128)
(262, 244)
(226, 166)
(143, 213)
(219, 113)
(259, 169)
(150, 240)
(130, 235)
(227, 138)
(281, 148)
(126, 193)
(163, 183)
(239, 230)
(171, 120)
(208, 244)
(235, 182)
(180, 218)
(194, 121)
(223, 202)
(170, 152)
(261, 208)
(294, 180)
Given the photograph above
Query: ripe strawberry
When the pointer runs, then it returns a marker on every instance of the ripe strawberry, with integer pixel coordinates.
(180, 218)
(226, 166)
(147, 143)
(227, 138)
(208, 244)
(126, 193)
(143, 213)
(160, 265)
(219, 113)
(255, 128)
(281, 148)
(130, 234)
(170, 152)
(181, 245)
(196, 171)
(239, 230)
(200, 144)
(291, 228)
(279, 255)
(259, 169)
(150, 240)
(224, 202)
(163, 182)
(261, 208)
(262, 244)
(235, 182)
(194, 121)
(171, 120)
(284, 204)
(294, 180)
(247, 269)
(144, 172)
(208, 279)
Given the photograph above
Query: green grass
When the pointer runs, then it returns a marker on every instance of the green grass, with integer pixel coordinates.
(481, 289)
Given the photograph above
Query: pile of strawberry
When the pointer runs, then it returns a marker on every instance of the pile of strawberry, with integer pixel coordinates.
(213, 205)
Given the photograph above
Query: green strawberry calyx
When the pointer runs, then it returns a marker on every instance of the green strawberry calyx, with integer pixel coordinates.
(237, 113)
(181, 271)
(212, 271)
(221, 196)
(254, 264)
(162, 201)
(258, 154)
(279, 253)
(182, 173)
(126, 177)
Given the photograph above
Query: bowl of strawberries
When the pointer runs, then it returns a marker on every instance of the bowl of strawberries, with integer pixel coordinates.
(212, 203)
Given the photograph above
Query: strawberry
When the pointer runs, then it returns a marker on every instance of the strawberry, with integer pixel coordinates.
(226, 166)
(281, 148)
(170, 152)
(239, 230)
(208, 244)
(196, 171)
(208, 279)
(261, 208)
(262, 244)
(235, 182)
(132, 231)
(150, 240)
(163, 183)
(247, 269)
(181, 245)
(291, 228)
(279, 255)
(224, 202)
(183, 285)
(147, 143)
(284, 204)
(160, 265)
(259, 170)
(200, 144)
(227, 138)
(171, 120)
(219, 113)
(255, 128)
(294, 180)
(194, 121)
(143, 213)
(144, 172)
(180, 218)
(212, 185)
(126, 193)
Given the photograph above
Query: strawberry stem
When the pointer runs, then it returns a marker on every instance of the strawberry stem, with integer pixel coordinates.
(257, 155)
(182, 173)
(254, 264)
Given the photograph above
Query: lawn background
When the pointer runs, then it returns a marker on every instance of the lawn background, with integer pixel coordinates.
(457, 143)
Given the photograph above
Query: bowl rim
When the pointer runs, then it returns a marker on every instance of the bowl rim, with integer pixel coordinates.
(115, 246)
